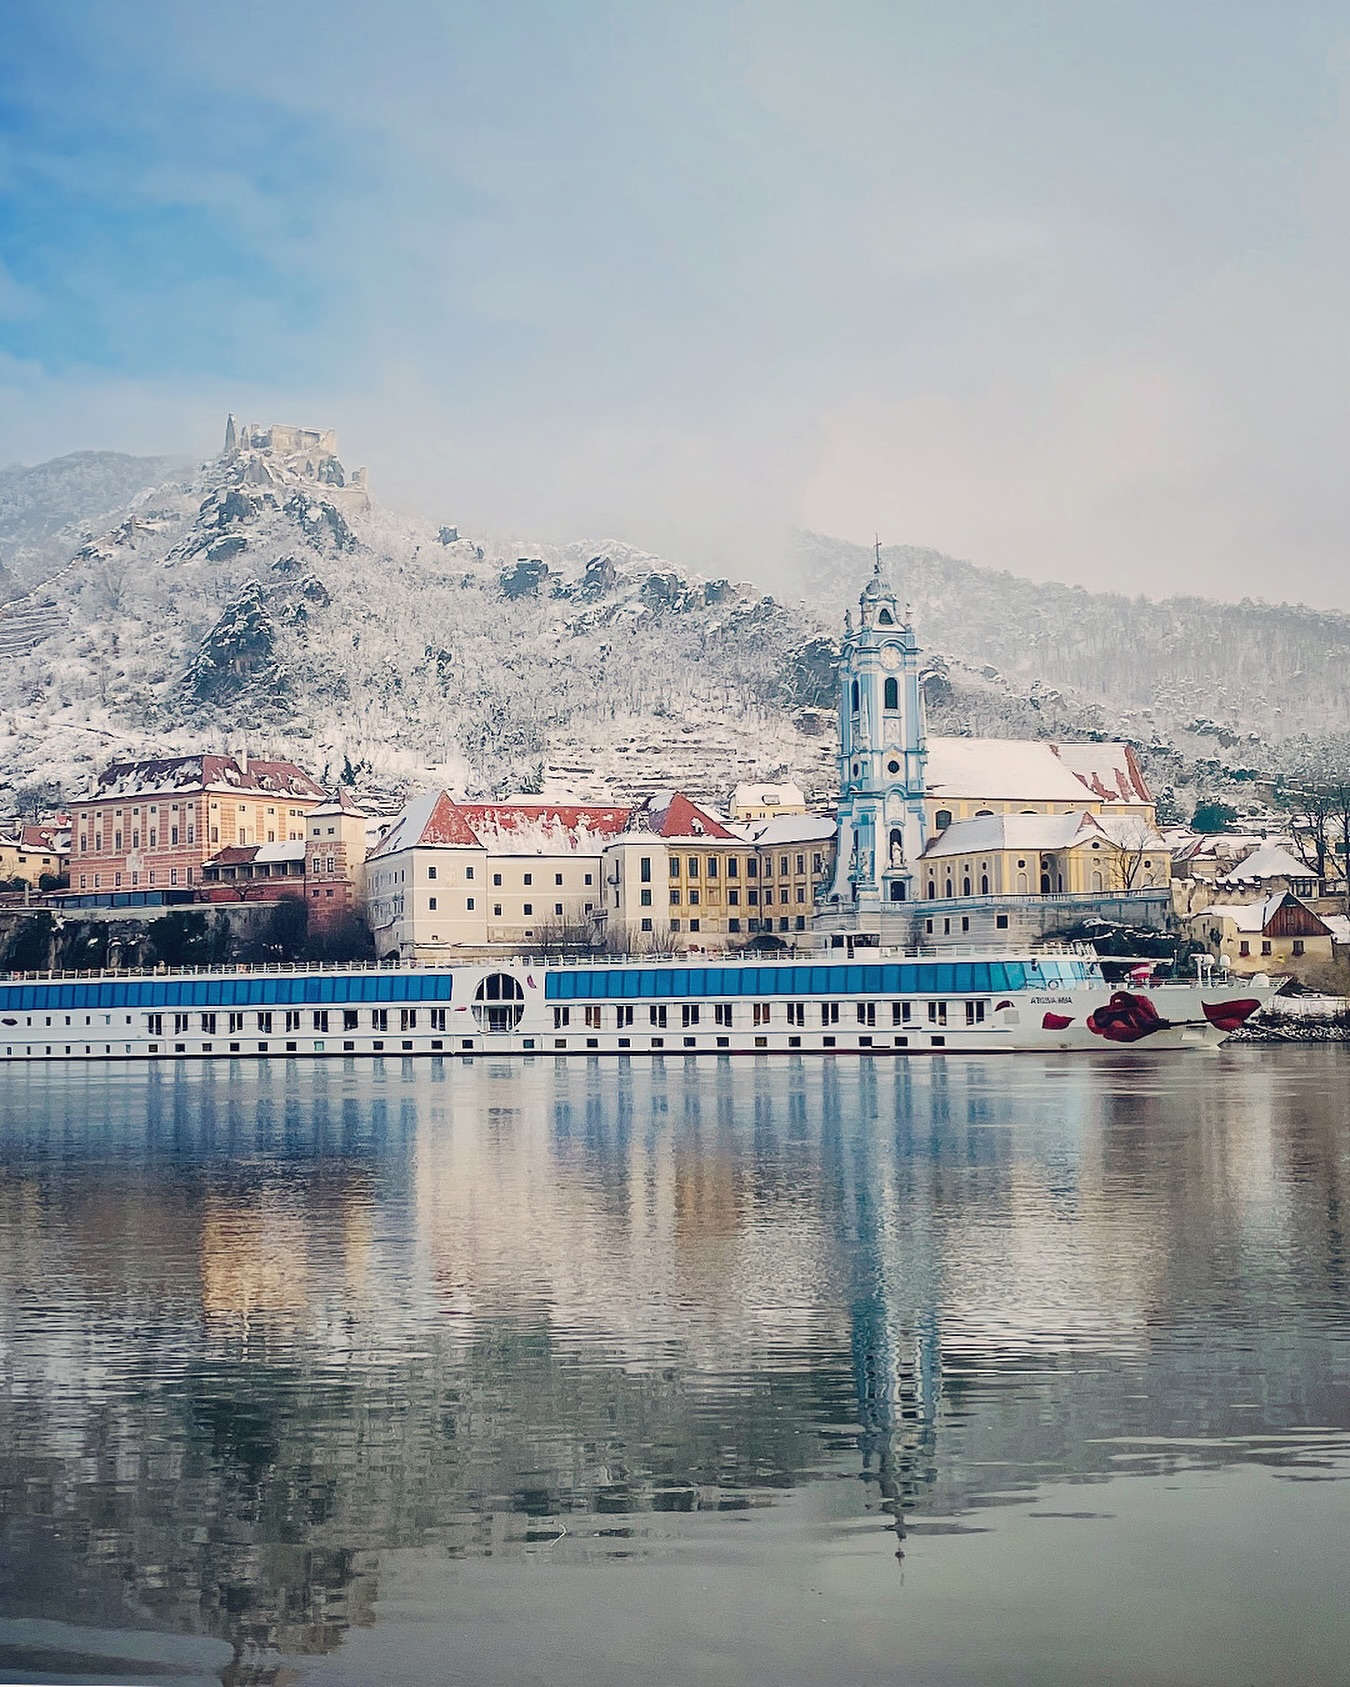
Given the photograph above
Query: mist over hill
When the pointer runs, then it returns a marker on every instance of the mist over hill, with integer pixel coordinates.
(47, 510)
(267, 600)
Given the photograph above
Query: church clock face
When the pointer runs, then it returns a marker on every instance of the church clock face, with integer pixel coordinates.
(890, 657)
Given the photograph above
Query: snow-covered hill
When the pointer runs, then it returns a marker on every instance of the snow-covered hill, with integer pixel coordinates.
(264, 598)
(46, 511)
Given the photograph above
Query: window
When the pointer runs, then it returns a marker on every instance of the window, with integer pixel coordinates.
(293, 1019)
(645, 869)
(496, 910)
(689, 1012)
(496, 879)
(712, 867)
(1298, 945)
(722, 1013)
(657, 1016)
(937, 1013)
(154, 1024)
(1265, 948)
(693, 866)
(407, 1019)
(733, 866)
(321, 1019)
(901, 1013)
(379, 1019)
(438, 1020)
(529, 880)
(891, 699)
(265, 1020)
(431, 872)
(942, 819)
(236, 1024)
(867, 1013)
(557, 907)
(693, 898)
(528, 909)
(350, 1019)
(557, 879)
(829, 1013)
(974, 1013)
(431, 902)
(674, 866)
(209, 1024)
(588, 879)
(674, 898)
(468, 872)
(593, 1017)
(646, 925)
(796, 1013)
(561, 1017)
(752, 866)
(180, 1024)
(761, 1012)
(645, 898)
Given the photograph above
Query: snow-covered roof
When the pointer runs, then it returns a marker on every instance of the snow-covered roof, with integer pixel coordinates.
(999, 770)
(434, 820)
(174, 775)
(1110, 771)
(341, 801)
(532, 828)
(794, 828)
(1271, 861)
(268, 854)
(787, 796)
(670, 814)
(1256, 916)
(1339, 927)
(1031, 832)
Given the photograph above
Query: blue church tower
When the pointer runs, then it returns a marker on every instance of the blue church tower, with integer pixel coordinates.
(882, 767)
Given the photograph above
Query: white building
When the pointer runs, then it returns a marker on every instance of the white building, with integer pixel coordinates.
(450, 876)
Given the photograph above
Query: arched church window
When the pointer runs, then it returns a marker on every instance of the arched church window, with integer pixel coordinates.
(984, 884)
(892, 693)
(855, 697)
(942, 819)
(965, 886)
(983, 813)
(885, 619)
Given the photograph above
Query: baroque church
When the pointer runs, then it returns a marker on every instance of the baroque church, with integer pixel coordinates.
(970, 840)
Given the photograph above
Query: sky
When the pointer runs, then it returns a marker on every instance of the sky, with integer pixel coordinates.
(1058, 288)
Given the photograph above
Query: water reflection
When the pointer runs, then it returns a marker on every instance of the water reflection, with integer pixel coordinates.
(264, 1324)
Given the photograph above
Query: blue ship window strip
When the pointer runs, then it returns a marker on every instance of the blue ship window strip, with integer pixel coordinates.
(225, 993)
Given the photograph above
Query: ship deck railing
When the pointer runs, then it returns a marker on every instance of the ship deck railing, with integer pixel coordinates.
(861, 956)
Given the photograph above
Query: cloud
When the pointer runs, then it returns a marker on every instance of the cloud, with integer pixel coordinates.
(1058, 290)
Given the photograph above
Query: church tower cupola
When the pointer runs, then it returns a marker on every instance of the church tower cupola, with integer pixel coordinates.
(882, 754)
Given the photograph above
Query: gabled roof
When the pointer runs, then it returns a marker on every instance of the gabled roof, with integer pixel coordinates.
(1271, 861)
(781, 794)
(670, 814)
(1031, 832)
(1260, 917)
(435, 820)
(51, 837)
(174, 775)
(533, 828)
(793, 828)
(341, 801)
(1110, 771)
(999, 770)
(241, 855)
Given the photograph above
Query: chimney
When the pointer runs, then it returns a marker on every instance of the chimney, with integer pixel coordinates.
(242, 759)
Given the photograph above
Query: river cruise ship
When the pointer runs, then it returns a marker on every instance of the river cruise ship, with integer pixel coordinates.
(888, 1004)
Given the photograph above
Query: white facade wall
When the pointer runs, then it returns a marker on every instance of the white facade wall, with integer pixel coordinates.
(636, 896)
(427, 901)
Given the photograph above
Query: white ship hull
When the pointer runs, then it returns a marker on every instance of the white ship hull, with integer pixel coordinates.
(890, 1005)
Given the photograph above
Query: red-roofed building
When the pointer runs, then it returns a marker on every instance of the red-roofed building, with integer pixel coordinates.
(151, 824)
(450, 875)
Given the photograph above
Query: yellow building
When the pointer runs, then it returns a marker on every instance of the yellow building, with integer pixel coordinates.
(1068, 854)
(34, 853)
(971, 778)
(1279, 934)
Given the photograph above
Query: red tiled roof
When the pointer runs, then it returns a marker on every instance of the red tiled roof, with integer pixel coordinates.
(568, 817)
(1110, 771)
(684, 819)
(172, 774)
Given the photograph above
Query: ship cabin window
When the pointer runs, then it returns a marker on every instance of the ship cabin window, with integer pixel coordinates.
(937, 1013)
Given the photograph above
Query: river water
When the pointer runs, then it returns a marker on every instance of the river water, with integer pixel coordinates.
(943, 1371)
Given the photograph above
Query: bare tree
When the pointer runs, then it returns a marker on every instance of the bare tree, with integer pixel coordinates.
(1133, 842)
(1315, 792)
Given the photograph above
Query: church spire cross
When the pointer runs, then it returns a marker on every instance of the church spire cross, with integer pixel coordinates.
(876, 566)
